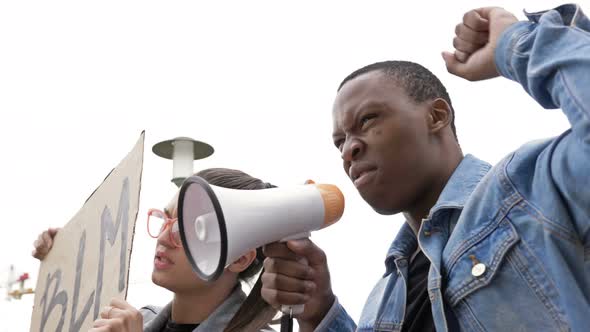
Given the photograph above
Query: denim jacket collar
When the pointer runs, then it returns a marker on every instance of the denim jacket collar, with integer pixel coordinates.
(461, 184)
(403, 246)
(463, 181)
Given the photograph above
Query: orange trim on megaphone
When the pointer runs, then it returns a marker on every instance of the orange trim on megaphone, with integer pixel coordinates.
(333, 203)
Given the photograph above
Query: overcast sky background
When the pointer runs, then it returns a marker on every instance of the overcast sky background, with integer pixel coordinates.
(80, 80)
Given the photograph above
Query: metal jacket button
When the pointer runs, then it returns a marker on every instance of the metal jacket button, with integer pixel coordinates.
(478, 270)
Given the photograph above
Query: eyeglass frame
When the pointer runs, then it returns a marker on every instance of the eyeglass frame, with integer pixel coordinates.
(168, 222)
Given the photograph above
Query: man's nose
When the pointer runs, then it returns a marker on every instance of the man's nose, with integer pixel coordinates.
(351, 149)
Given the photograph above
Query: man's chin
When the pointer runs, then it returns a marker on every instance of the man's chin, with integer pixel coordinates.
(385, 211)
(380, 206)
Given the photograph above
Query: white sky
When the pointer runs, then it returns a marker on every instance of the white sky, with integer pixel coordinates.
(80, 80)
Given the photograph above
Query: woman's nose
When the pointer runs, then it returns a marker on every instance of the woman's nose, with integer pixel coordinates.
(164, 237)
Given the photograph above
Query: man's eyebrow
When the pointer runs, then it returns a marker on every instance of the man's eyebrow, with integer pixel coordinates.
(371, 105)
(355, 113)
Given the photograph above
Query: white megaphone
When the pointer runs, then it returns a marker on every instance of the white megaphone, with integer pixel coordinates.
(218, 225)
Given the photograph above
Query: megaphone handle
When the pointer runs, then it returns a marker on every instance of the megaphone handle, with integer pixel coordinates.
(295, 309)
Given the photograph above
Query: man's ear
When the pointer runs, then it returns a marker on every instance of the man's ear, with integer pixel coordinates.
(243, 262)
(440, 115)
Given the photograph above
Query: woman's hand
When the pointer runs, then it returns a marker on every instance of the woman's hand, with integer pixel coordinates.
(44, 243)
(118, 316)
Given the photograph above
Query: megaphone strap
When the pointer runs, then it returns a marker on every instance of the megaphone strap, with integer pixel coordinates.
(287, 323)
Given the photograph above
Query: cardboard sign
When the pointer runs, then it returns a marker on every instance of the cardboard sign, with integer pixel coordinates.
(89, 262)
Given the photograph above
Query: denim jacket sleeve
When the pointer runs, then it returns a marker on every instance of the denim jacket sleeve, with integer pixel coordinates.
(550, 57)
(336, 320)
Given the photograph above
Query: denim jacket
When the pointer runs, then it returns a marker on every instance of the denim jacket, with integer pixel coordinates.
(509, 246)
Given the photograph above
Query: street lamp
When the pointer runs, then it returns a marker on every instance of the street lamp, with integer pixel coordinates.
(182, 151)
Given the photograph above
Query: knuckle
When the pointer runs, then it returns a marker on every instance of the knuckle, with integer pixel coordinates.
(279, 282)
(304, 273)
(497, 11)
(310, 287)
(269, 295)
(273, 280)
(274, 297)
(304, 287)
(269, 264)
(266, 279)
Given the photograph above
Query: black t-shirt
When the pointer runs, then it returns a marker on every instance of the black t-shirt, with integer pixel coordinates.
(174, 327)
(418, 310)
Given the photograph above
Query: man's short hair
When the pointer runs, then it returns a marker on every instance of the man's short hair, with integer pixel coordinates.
(419, 83)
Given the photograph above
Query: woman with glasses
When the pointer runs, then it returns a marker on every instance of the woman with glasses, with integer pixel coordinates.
(220, 305)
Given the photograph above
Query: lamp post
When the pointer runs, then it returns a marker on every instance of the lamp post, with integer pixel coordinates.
(183, 151)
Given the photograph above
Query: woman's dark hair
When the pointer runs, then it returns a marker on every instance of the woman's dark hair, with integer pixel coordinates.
(254, 312)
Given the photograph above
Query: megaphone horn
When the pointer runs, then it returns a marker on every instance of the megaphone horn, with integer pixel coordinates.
(218, 225)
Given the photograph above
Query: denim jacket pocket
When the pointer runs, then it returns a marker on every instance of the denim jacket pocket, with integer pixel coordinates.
(496, 267)
(478, 264)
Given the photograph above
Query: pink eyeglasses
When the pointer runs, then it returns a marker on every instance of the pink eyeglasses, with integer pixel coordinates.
(158, 221)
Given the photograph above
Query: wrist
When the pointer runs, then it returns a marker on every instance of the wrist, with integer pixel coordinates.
(505, 48)
(309, 323)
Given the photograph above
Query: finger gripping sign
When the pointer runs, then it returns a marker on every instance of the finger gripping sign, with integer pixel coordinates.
(88, 264)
